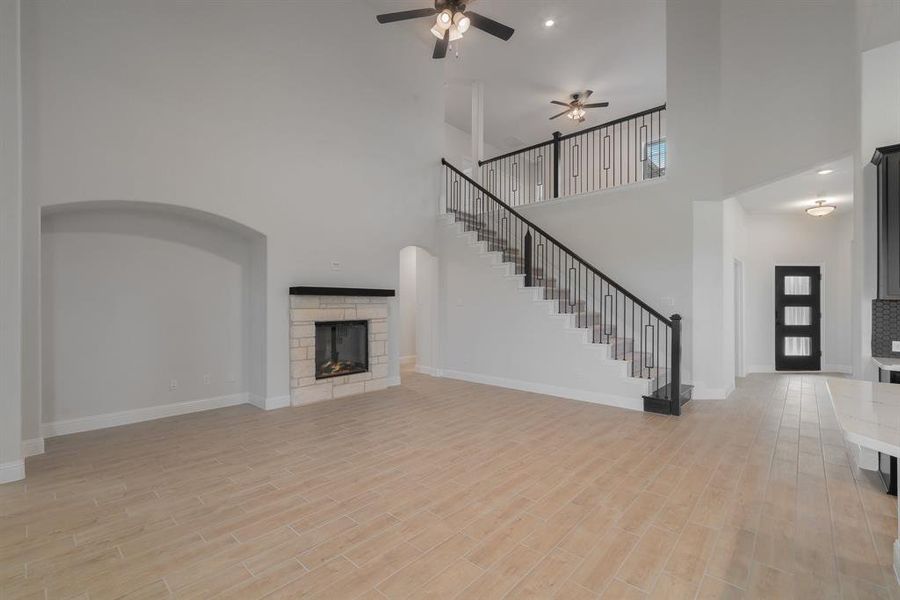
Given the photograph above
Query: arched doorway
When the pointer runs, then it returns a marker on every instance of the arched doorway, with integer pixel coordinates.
(417, 295)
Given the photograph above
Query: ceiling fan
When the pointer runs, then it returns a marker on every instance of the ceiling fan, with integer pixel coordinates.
(575, 107)
(452, 21)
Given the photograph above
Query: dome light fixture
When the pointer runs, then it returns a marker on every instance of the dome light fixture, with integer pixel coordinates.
(442, 23)
(549, 23)
(458, 23)
(820, 209)
(462, 22)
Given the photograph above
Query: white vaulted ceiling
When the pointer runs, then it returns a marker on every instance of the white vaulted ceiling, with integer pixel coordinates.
(615, 47)
(793, 195)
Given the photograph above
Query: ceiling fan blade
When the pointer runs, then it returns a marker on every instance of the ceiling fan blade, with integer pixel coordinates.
(440, 46)
(560, 103)
(490, 26)
(560, 114)
(403, 15)
(596, 105)
(584, 96)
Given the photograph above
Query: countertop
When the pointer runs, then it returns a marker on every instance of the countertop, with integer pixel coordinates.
(869, 413)
(886, 363)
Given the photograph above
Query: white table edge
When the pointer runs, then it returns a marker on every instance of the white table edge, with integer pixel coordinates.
(874, 445)
(886, 366)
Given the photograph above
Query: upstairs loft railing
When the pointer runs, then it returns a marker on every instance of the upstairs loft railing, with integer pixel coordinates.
(614, 316)
(620, 152)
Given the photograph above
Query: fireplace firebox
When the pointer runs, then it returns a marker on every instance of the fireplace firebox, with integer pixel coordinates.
(342, 348)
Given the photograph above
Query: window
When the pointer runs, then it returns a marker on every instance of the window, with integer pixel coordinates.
(796, 285)
(655, 165)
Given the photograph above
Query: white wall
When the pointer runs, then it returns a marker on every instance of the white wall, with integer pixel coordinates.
(493, 331)
(458, 147)
(709, 301)
(735, 243)
(789, 77)
(135, 297)
(406, 300)
(880, 98)
(427, 311)
(11, 465)
(804, 241)
(251, 111)
(879, 123)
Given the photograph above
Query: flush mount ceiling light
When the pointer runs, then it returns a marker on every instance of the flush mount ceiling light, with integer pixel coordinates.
(820, 209)
(549, 23)
(826, 172)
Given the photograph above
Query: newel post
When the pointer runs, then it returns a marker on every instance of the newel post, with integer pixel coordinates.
(528, 259)
(676, 366)
(556, 156)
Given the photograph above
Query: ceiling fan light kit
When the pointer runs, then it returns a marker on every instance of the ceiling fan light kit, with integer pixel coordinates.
(451, 22)
(575, 108)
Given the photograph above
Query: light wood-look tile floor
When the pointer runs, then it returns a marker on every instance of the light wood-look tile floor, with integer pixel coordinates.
(445, 489)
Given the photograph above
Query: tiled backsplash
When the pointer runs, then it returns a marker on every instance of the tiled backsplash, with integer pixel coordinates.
(885, 326)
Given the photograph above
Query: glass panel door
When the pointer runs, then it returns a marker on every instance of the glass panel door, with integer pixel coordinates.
(797, 319)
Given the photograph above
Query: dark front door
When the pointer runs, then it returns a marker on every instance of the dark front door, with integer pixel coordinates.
(798, 317)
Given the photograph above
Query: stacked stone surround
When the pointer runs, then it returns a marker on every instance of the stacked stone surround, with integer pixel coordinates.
(305, 311)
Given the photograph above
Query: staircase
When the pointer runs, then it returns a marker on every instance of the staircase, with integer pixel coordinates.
(647, 343)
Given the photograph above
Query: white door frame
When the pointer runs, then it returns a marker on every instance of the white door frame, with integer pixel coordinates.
(740, 368)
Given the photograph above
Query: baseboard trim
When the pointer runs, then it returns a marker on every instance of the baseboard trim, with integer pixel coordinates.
(701, 392)
(270, 403)
(276, 402)
(549, 390)
(826, 368)
(32, 447)
(138, 415)
(13, 470)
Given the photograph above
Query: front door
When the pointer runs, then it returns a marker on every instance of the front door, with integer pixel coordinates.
(798, 319)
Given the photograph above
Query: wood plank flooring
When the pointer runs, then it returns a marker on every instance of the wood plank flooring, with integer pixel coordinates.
(445, 489)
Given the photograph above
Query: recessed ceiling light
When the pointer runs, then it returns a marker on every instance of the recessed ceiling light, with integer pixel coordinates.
(826, 172)
(549, 23)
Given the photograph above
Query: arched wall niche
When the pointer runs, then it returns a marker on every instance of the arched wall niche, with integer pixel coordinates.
(147, 309)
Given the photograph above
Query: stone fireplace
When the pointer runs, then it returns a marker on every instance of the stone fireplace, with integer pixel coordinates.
(338, 341)
(342, 348)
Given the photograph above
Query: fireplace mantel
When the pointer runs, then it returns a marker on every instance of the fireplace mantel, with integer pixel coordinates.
(303, 290)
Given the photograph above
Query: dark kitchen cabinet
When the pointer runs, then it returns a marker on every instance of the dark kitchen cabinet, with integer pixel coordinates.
(887, 159)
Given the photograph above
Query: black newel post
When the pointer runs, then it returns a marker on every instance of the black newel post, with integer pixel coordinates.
(556, 153)
(528, 259)
(675, 391)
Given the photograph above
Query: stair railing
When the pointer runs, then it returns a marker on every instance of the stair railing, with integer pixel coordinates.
(615, 316)
(627, 150)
